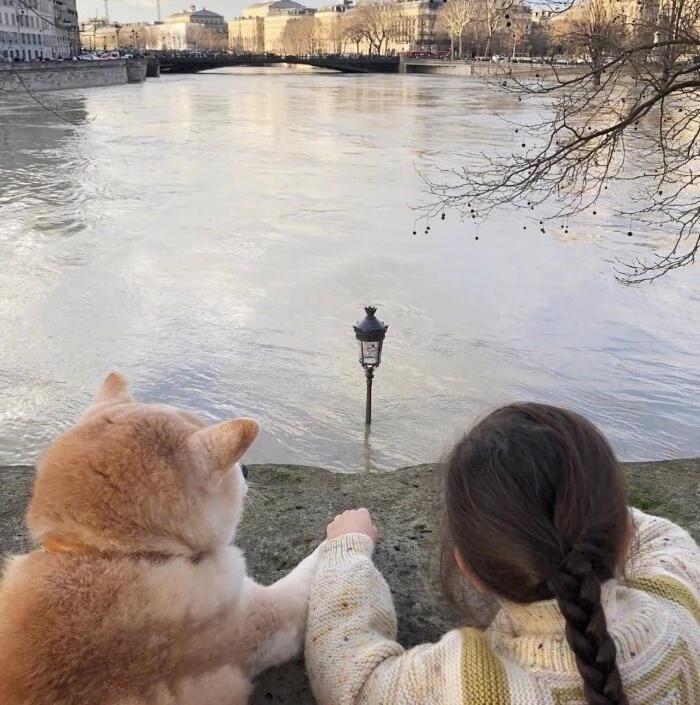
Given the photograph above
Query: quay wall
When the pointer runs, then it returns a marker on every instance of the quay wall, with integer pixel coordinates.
(63, 75)
(485, 69)
(290, 510)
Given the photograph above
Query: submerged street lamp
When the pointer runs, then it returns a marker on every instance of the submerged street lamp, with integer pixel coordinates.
(370, 333)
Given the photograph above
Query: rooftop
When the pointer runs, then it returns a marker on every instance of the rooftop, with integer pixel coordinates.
(268, 7)
(193, 15)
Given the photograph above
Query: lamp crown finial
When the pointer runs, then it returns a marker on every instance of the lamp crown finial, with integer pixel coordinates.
(370, 310)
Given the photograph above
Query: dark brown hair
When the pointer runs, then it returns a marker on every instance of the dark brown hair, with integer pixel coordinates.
(536, 505)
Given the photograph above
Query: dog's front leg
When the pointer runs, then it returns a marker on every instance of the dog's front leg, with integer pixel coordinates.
(287, 602)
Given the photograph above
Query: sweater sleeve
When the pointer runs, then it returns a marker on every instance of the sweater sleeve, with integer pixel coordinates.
(663, 554)
(352, 656)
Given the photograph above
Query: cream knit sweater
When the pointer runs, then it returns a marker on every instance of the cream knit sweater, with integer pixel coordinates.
(522, 658)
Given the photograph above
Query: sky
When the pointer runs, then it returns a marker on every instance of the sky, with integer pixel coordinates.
(145, 10)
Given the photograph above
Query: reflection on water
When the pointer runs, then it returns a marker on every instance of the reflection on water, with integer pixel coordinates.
(215, 237)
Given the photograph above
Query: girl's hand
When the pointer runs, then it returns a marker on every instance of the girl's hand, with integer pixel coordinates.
(352, 521)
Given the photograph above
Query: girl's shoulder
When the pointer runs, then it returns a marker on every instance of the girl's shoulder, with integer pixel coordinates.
(664, 561)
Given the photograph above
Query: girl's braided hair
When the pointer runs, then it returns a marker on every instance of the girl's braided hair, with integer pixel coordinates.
(536, 506)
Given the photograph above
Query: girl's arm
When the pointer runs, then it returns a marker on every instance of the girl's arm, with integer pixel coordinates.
(351, 652)
(664, 559)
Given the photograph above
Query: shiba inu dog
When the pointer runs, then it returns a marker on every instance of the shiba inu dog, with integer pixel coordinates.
(135, 596)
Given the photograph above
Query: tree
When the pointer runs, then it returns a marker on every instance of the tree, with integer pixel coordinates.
(300, 36)
(334, 34)
(453, 18)
(200, 36)
(675, 32)
(540, 39)
(378, 21)
(594, 29)
(628, 126)
(494, 15)
(354, 30)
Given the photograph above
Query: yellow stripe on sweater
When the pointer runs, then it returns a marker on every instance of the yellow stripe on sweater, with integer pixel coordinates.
(669, 588)
(484, 680)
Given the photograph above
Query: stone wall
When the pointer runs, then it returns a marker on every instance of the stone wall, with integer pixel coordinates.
(290, 508)
(485, 69)
(51, 76)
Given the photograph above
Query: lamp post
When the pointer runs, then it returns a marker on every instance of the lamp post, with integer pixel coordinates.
(370, 333)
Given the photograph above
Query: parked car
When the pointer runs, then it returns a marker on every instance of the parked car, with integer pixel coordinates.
(88, 57)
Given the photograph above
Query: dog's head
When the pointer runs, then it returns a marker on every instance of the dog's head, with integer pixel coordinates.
(139, 477)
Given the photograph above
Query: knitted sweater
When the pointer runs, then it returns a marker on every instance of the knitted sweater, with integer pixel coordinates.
(523, 657)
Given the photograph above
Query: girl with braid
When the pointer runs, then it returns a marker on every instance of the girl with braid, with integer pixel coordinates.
(599, 602)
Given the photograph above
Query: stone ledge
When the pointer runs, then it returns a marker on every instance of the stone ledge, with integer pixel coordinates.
(292, 504)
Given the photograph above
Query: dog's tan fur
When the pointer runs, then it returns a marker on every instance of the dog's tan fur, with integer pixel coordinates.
(136, 597)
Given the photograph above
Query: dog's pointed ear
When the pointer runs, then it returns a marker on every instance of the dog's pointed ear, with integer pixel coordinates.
(114, 389)
(226, 442)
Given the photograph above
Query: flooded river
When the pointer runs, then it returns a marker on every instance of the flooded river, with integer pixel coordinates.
(215, 236)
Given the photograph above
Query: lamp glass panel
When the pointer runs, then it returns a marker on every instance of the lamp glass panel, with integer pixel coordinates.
(369, 351)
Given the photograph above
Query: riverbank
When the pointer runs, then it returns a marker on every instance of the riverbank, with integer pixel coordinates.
(487, 69)
(63, 75)
(292, 504)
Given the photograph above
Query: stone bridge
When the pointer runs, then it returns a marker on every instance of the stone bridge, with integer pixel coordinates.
(172, 63)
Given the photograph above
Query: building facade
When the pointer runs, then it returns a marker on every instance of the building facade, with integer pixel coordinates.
(276, 27)
(189, 30)
(415, 26)
(247, 35)
(331, 28)
(262, 26)
(97, 35)
(66, 27)
(38, 29)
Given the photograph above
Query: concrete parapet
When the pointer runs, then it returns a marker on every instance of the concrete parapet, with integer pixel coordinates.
(136, 70)
(486, 69)
(63, 75)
